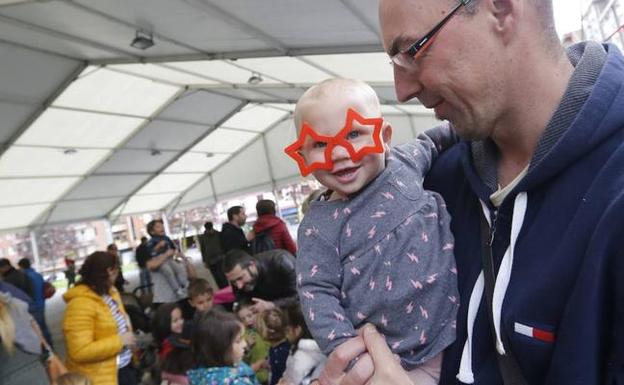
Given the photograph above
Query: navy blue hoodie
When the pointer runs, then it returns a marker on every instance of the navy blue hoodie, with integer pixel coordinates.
(562, 312)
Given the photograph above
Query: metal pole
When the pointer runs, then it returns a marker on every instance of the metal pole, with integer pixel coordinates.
(35, 250)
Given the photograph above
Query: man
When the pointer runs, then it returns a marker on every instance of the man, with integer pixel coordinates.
(163, 269)
(38, 307)
(268, 279)
(541, 175)
(268, 223)
(15, 277)
(141, 256)
(212, 253)
(120, 281)
(232, 236)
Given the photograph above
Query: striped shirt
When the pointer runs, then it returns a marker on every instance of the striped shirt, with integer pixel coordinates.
(125, 356)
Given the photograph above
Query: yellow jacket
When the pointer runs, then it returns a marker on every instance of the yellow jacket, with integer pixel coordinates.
(91, 334)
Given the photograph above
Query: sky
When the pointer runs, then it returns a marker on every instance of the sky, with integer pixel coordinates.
(567, 15)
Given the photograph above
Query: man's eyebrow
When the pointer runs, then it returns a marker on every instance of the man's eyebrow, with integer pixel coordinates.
(398, 43)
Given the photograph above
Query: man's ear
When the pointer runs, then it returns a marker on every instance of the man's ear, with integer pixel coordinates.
(506, 15)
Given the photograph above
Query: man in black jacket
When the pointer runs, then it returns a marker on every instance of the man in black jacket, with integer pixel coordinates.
(15, 277)
(268, 278)
(232, 236)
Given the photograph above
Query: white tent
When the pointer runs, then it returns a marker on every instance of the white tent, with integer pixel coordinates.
(94, 128)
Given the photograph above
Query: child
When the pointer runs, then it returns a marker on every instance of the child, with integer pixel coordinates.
(159, 244)
(174, 351)
(199, 297)
(305, 354)
(272, 327)
(258, 349)
(218, 348)
(376, 247)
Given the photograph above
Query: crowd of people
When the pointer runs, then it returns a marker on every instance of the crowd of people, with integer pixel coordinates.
(485, 251)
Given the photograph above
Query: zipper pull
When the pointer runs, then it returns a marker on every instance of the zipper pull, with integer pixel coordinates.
(493, 217)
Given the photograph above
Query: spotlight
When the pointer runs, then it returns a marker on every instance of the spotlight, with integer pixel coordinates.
(255, 78)
(209, 155)
(155, 152)
(143, 40)
(70, 151)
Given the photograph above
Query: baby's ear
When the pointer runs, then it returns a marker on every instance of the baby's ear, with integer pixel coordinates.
(386, 133)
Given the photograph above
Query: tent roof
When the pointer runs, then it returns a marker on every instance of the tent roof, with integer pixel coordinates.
(94, 128)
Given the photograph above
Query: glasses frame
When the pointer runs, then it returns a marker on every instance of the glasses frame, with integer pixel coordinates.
(420, 45)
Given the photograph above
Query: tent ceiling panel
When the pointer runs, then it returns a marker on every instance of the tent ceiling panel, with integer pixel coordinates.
(131, 161)
(29, 191)
(39, 40)
(303, 28)
(255, 118)
(286, 69)
(108, 91)
(282, 106)
(277, 139)
(390, 110)
(13, 116)
(196, 162)
(201, 192)
(224, 71)
(160, 134)
(30, 76)
(66, 128)
(416, 109)
(223, 140)
(20, 216)
(245, 169)
(200, 107)
(162, 73)
(283, 94)
(369, 67)
(146, 203)
(102, 186)
(252, 94)
(188, 23)
(368, 9)
(424, 122)
(82, 209)
(86, 25)
(166, 183)
(386, 94)
(23, 162)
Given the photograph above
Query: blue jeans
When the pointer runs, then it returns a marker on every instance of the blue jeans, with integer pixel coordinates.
(146, 280)
(39, 316)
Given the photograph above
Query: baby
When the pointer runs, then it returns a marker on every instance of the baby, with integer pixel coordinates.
(376, 247)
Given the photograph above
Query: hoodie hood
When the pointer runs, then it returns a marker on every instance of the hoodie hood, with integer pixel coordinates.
(219, 375)
(266, 222)
(581, 123)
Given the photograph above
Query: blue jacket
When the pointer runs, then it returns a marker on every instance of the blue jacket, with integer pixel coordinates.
(37, 284)
(562, 313)
(224, 375)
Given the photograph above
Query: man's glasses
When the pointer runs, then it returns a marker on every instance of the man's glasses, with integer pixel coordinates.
(407, 58)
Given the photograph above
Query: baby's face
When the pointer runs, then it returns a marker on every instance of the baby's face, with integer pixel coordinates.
(327, 117)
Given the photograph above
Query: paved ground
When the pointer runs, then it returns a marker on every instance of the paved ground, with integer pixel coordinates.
(55, 306)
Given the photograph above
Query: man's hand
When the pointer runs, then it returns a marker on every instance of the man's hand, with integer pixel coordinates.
(261, 305)
(379, 368)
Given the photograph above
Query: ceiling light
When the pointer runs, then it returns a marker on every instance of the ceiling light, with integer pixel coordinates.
(155, 152)
(255, 78)
(143, 40)
(70, 151)
(209, 155)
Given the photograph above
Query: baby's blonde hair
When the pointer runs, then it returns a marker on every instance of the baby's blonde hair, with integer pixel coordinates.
(7, 327)
(332, 88)
(72, 378)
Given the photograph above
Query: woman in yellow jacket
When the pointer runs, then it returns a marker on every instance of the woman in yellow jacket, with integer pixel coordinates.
(97, 329)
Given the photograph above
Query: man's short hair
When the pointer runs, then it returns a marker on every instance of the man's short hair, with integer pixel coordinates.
(24, 263)
(208, 226)
(236, 257)
(234, 210)
(197, 287)
(265, 206)
(4, 262)
(151, 224)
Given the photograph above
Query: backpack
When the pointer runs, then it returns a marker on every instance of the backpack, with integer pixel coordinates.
(262, 242)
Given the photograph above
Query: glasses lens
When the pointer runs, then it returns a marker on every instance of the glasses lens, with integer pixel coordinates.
(405, 61)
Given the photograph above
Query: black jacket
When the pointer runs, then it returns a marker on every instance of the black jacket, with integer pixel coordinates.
(233, 238)
(276, 279)
(19, 280)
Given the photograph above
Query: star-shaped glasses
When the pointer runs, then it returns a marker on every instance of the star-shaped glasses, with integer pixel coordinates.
(359, 139)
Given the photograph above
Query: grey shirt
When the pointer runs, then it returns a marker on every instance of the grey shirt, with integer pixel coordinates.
(384, 256)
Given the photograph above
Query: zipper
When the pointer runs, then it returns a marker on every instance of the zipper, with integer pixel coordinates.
(493, 218)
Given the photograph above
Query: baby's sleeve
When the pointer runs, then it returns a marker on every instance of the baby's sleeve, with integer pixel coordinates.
(422, 151)
(319, 281)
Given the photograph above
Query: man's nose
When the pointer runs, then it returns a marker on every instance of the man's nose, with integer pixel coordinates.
(406, 84)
